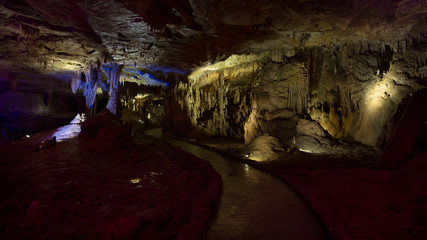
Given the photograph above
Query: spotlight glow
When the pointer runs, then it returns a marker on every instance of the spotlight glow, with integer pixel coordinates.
(235, 65)
(246, 167)
(380, 92)
(306, 150)
(135, 180)
(71, 130)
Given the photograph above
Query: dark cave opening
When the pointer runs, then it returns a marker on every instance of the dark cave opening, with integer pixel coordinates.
(385, 60)
(421, 143)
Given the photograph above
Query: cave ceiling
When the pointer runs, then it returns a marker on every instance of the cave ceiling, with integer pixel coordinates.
(55, 38)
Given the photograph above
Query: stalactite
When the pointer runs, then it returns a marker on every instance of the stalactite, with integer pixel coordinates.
(89, 91)
(111, 105)
(297, 97)
(76, 82)
(276, 55)
(345, 94)
(30, 33)
(93, 80)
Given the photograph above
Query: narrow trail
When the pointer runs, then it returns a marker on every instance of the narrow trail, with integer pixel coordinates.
(254, 204)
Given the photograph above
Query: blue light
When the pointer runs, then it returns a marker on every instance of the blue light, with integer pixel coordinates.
(145, 78)
(166, 69)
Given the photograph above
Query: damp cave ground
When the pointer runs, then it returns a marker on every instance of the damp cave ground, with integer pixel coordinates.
(354, 198)
(91, 189)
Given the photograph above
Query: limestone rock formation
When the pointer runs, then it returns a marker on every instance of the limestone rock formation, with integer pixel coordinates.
(263, 148)
(341, 77)
(346, 91)
(235, 68)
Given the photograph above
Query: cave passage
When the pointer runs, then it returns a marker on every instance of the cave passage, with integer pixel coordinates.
(254, 204)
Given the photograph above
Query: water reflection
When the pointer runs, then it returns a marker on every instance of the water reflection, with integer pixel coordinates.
(254, 205)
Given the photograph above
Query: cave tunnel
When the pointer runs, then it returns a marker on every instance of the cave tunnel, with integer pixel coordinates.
(181, 119)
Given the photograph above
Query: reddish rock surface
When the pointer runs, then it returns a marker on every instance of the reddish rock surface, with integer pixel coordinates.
(400, 146)
(362, 203)
(353, 199)
(96, 188)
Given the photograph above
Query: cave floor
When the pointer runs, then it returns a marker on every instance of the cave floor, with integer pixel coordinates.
(253, 204)
(355, 200)
(78, 189)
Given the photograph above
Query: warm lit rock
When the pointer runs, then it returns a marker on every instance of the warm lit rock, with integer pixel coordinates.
(262, 148)
(310, 128)
(281, 76)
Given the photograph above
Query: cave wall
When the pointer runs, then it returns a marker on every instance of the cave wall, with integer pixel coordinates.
(23, 112)
(142, 107)
(356, 87)
(348, 91)
(405, 139)
(213, 102)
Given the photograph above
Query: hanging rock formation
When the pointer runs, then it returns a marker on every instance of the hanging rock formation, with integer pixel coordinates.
(307, 95)
(217, 101)
(343, 64)
(105, 77)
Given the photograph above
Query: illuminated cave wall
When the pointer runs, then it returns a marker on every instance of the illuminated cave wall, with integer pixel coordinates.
(351, 90)
(129, 92)
(356, 87)
(98, 78)
(216, 100)
(141, 106)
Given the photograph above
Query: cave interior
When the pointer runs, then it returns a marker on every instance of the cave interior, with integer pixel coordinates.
(330, 96)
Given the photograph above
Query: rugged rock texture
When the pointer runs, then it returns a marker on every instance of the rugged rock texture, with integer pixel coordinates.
(346, 64)
(218, 99)
(24, 111)
(401, 144)
(280, 75)
(361, 203)
(102, 187)
(352, 90)
(58, 36)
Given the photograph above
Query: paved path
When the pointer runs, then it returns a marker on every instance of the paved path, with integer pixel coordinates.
(254, 204)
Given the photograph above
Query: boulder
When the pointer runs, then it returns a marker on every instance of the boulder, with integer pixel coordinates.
(310, 128)
(263, 148)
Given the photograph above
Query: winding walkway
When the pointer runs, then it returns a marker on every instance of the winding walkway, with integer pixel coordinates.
(254, 204)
